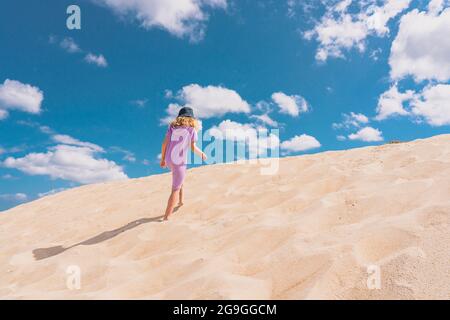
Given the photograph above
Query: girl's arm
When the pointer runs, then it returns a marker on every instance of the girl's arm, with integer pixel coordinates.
(197, 150)
(163, 153)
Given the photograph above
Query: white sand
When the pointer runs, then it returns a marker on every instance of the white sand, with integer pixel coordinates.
(308, 232)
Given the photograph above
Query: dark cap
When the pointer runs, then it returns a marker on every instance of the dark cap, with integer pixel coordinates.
(186, 112)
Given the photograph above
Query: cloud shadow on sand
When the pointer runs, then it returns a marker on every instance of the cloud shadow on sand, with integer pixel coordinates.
(44, 253)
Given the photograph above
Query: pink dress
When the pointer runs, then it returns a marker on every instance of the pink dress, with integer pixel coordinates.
(179, 141)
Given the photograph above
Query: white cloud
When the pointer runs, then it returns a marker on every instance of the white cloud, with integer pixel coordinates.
(127, 155)
(168, 94)
(265, 119)
(421, 51)
(359, 117)
(11, 150)
(70, 159)
(16, 197)
(68, 140)
(300, 143)
(264, 106)
(208, 102)
(98, 60)
(69, 162)
(351, 120)
(392, 103)
(291, 4)
(258, 139)
(45, 129)
(233, 130)
(15, 95)
(421, 48)
(377, 17)
(375, 54)
(367, 134)
(69, 45)
(433, 103)
(139, 102)
(179, 17)
(436, 6)
(340, 30)
(3, 114)
(304, 7)
(292, 105)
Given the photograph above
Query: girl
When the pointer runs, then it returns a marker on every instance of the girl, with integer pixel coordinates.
(181, 134)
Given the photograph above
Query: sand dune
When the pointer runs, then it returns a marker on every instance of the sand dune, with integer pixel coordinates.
(309, 232)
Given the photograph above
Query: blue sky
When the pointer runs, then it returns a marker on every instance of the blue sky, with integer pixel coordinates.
(85, 106)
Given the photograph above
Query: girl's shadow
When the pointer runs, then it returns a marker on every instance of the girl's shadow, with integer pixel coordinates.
(44, 253)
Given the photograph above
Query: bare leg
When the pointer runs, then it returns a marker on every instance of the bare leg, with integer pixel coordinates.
(180, 199)
(171, 203)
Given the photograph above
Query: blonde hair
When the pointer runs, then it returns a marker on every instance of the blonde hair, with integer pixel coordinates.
(185, 122)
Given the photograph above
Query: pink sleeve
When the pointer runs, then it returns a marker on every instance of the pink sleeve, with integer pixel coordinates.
(168, 133)
(194, 135)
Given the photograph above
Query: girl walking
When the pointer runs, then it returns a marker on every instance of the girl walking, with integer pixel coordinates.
(181, 135)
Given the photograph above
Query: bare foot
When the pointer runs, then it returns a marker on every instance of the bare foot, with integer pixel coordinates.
(180, 204)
